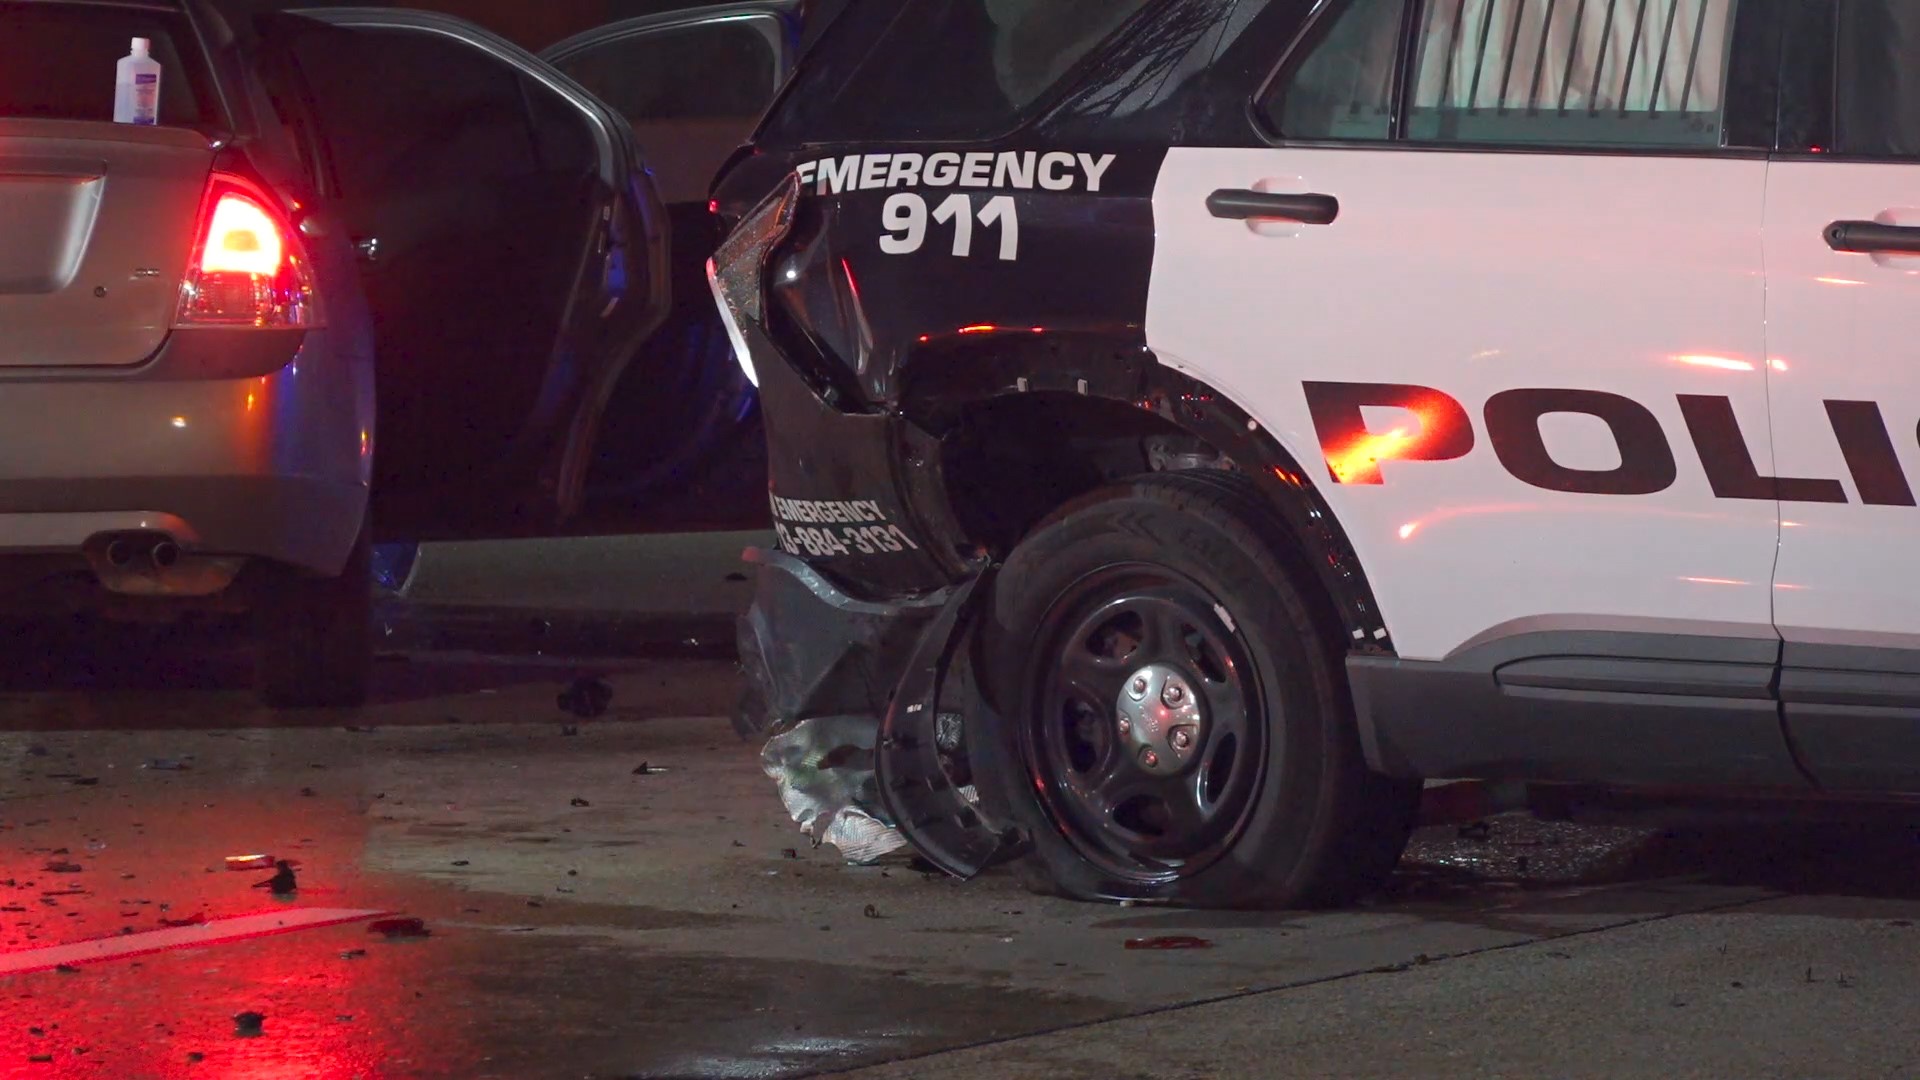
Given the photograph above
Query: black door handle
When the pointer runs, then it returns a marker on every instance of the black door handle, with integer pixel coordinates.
(1241, 204)
(1871, 236)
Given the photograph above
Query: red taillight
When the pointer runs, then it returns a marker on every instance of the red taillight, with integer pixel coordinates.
(249, 269)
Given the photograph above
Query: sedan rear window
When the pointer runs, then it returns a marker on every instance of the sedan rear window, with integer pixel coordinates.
(941, 69)
(57, 61)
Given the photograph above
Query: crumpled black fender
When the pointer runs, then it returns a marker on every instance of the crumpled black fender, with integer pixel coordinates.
(931, 811)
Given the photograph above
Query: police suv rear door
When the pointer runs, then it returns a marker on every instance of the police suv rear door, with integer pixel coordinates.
(1525, 298)
(1843, 315)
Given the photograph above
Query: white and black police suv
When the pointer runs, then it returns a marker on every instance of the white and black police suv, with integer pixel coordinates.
(1196, 422)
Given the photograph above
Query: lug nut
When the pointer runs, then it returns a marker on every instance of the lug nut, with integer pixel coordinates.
(1173, 695)
(1140, 684)
(1182, 740)
(1149, 759)
(1125, 726)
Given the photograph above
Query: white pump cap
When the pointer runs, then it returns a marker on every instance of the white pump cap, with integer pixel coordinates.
(142, 47)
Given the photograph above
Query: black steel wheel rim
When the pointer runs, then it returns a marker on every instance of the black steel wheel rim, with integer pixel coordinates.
(1097, 642)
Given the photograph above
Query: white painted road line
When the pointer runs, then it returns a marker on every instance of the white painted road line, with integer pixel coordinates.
(217, 932)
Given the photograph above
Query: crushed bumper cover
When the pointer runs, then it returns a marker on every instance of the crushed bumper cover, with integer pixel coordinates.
(851, 696)
(846, 689)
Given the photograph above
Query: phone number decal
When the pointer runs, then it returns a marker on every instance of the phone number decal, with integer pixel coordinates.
(837, 527)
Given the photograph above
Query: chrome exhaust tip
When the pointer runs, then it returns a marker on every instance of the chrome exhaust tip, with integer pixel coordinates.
(119, 553)
(165, 554)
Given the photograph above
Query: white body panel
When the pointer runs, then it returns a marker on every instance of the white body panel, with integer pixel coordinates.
(1474, 273)
(1843, 326)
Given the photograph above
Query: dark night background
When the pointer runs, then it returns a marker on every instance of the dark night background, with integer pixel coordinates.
(533, 24)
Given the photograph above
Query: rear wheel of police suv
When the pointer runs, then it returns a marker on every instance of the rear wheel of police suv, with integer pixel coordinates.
(315, 636)
(1170, 721)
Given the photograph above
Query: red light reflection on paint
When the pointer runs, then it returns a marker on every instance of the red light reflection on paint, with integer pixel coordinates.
(1585, 507)
(979, 328)
(1705, 360)
(1358, 462)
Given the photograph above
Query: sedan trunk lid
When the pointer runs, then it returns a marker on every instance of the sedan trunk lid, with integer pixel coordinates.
(97, 223)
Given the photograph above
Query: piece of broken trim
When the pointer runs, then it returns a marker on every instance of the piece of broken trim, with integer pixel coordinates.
(935, 816)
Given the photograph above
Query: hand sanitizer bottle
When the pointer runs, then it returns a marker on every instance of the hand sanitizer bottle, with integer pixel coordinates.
(136, 91)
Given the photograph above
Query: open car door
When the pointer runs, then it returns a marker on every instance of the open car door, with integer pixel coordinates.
(682, 448)
(512, 248)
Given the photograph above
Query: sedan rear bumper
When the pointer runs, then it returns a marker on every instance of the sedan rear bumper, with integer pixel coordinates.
(271, 466)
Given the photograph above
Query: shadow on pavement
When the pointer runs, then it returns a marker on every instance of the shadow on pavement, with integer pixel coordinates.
(95, 676)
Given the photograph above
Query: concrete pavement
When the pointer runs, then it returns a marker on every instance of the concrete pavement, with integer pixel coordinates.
(588, 918)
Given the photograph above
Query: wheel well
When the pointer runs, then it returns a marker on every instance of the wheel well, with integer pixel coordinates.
(1012, 460)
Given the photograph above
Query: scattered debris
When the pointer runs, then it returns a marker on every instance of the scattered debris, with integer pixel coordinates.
(161, 764)
(359, 730)
(66, 969)
(198, 918)
(586, 697)
(40, 1059)
(282, 883)
(1169, 941)
(247, 1025)
(789, 853)
(353, 954)
(250, 862)
(461, 862)
(403, 927)
(1478, 830)
(85, 781)
(577, 801)
(569, 729)
(644, 769)
(195, 1057)
(823, 767)
(36, 751)
(872, 912)
(61, 866)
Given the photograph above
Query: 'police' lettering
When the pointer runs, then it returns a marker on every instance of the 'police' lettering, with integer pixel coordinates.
(1868, 448)
(1439, 430)
(1729, 463)
(1646, 460)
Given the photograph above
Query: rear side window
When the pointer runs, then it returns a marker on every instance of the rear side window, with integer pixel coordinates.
(941, 69)
(1631, 73)
(1877, 92)
(57, 62)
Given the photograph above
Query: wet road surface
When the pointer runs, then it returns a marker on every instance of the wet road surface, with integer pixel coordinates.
(587, 917)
